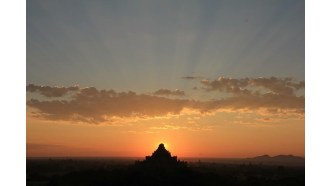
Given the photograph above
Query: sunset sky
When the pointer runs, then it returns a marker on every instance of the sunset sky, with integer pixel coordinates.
(207, 78)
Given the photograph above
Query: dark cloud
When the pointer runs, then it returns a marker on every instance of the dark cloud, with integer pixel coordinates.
(49, 91)
(236, 86)
(166, 92)
(192, 77)
(245, 86)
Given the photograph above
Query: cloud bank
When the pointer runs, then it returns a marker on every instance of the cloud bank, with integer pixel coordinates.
(268, 96)
(95, 106)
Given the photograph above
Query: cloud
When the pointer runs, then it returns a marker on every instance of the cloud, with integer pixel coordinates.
(192, 77)
(49, 91)
(267, 119)
(90, 105)
(248, 86)
(166, 92)
(96, 106)
(253, 102)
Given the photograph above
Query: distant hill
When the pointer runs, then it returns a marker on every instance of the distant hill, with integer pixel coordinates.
(266, 156)
(279, 159)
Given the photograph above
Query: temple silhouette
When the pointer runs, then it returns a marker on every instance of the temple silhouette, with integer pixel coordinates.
(161, 155)
(161, 168)
(162, 158)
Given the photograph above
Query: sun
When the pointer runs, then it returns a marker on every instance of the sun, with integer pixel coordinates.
(166, 145)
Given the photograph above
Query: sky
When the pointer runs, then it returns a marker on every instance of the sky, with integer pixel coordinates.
(207, 78)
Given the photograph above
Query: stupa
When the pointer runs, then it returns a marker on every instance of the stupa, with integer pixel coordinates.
(161, 155)
(161, 168)
(161, 158)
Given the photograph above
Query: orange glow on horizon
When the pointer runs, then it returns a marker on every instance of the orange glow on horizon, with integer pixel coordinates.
(139, 139)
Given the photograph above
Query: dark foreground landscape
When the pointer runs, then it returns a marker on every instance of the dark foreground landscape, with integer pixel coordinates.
(163, 169)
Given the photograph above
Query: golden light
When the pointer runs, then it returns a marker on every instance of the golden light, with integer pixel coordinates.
(166, 145)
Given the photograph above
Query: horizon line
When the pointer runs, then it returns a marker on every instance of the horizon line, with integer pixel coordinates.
(194, 157)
